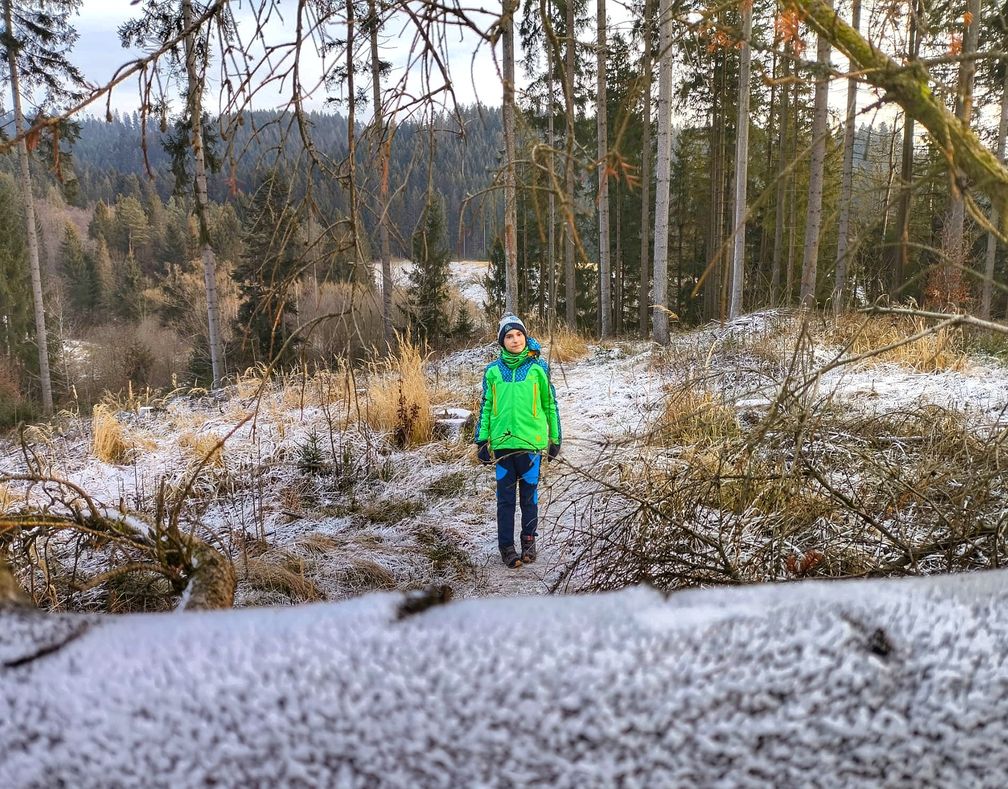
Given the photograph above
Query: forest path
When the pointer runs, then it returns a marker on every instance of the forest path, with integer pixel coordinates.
(604, 400)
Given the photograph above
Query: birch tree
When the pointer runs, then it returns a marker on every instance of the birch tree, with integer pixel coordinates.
(846, 180)
(37, 38)
(605, 294)
(660, 328)
(741, 166)
(813, 217)
(510, 207)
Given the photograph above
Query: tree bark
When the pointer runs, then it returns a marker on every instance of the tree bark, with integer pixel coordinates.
(783, 179)
(41, 335)
(645, 255)
(659, 321)
(194, 88)
(986, 292)
(570, 280)
(906, 171)
(382, 144)
(846, 181)
(813, 216)
(551, 196)
(510, 208)
(601, 112)
(741, 167)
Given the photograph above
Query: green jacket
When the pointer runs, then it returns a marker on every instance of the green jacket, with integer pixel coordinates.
(519, 407)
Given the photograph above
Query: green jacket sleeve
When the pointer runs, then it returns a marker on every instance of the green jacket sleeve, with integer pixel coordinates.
(483, 426)
(550, 407)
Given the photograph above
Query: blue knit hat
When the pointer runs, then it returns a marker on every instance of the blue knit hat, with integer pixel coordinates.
(507, 323)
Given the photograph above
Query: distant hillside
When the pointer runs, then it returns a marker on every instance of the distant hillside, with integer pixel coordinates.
(109, 161)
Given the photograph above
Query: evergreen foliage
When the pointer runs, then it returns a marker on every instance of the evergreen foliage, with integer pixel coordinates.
(16, 325)
(430, 274)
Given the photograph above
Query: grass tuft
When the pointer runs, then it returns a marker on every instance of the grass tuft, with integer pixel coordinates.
(399, 397)
(110, 443)
(288, 577)
(203, 447)
(944, 349)
(566, 345)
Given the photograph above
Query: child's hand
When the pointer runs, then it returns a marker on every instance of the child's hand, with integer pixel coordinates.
(553, 451)
(483, 452)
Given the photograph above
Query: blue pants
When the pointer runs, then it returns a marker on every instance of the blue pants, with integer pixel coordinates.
(518, 470)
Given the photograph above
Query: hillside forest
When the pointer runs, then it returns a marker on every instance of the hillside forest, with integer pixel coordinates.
(724, 173)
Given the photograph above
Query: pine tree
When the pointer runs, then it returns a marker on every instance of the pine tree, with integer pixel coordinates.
(79, 274)
(15, 287)
(274, 250)
(429, 278)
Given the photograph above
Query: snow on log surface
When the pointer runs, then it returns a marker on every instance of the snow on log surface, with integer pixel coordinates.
(880, 683)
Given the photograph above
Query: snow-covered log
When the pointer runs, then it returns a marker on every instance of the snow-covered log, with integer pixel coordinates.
(834, 684)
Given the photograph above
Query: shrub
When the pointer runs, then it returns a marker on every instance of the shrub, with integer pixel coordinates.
(399, 397)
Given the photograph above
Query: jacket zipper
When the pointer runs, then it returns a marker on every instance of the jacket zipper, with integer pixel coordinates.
(495, 399)
(535, 399)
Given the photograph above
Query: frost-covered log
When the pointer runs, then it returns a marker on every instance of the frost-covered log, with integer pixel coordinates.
(835, 684)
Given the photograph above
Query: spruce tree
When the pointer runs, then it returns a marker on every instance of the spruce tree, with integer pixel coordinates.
(15, 286)
(79, 274)
(428, 289)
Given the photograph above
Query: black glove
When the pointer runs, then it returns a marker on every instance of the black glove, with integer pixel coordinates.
(553, 451)
(483, 452)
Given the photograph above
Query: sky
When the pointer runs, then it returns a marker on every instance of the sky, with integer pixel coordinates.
(98, 53)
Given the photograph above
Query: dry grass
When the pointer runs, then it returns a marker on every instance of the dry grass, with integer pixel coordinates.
(252, 381)
(111, 443)
(282, 573)
(941, 350)
(203, 448)
(7, 498)
(696, 418)
(365, 575)
(566, 345)
(399, 397)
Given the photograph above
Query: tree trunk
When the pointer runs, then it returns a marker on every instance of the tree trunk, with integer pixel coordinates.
(570, 280)
(194, 87)
(510, 209)
(986, 292)
(953, 249)
(41, 336)
(846, 180)
(813, 217)
(551, 196)
(382, 146)
(601, 112)
(783, 179)
(642, 293)
(741, 167)
(660, 331)
(906, 172)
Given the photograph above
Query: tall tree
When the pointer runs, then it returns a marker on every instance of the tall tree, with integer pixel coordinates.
(741, 166)
(902, 265)
(986, 290)
(813, 216)
(382, 140)
(645, 256)
(15, 282)
(949, 288)
(570, 284)
(431, 272)
(659, 321)
(164, 21)
(36, 40)
(508, 110)
(846, 179)
(605, 295)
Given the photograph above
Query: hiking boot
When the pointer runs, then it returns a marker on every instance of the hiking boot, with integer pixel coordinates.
(510, 557)
(528, 554)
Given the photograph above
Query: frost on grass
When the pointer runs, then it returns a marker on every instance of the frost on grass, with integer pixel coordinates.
(811, 684)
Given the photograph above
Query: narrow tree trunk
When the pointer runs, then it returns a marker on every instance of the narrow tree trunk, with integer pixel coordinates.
(570, 284)
(194, 87)
(660, 331)
(953, 247)
(510, 209)
(988, 282)
(783, 179)
(741, 167)
(618, 266)
(846, 181)
(605, 277)
(643, 290)
(906, 171)
(382, 148)
(813, 217)
(41, 336)
(551, 196)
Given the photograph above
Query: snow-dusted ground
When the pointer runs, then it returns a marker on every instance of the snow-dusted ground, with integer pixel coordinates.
(883, 683)
(394, 518)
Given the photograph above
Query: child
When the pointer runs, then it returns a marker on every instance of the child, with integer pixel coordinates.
(518, 420)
